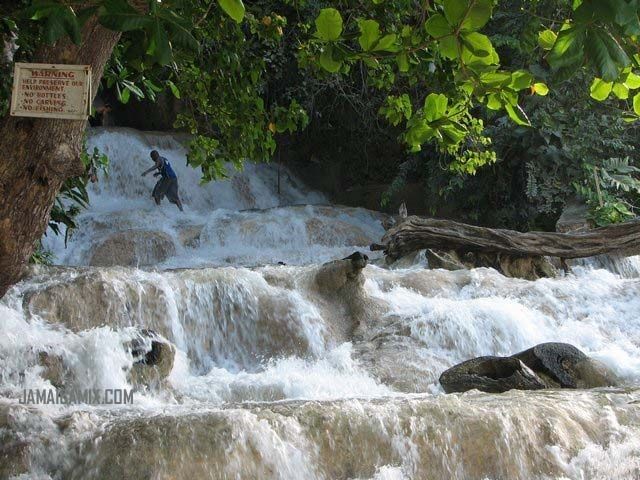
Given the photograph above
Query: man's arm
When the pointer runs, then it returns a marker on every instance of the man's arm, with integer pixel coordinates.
(149, 170)
(157, 165)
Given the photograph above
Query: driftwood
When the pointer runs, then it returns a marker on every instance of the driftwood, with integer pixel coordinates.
(418, 233)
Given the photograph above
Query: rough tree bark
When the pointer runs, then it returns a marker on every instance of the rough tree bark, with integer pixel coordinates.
(416, 233)
(38, 155)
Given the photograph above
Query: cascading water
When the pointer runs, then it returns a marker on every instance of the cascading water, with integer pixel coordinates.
(276, 377)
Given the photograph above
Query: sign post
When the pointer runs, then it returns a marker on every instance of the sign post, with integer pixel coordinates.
(51, 91)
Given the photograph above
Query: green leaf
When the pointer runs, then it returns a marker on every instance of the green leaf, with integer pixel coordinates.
(454, 10)
(387, 43)
(327, 62)
(568, 49)
(435, 106)
(620, 91)
(517, 114)
(495, 79)
(233, 8)
(159, 46)
(477, 43)
(546, 39)
(448, 47)
(494, 102)
(329, 24)
(437, 26)
(403, 62)
(520, 80)
(478, 15)
(125, 22)
(605, 54)
(541, 89)
(600, 89)
(124, 95)
(632, 81)
(369, 34)
(174, 89)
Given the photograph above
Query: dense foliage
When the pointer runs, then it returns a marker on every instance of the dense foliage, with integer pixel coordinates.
(503, 110)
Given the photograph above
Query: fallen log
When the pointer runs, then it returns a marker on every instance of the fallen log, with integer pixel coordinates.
(418, 233)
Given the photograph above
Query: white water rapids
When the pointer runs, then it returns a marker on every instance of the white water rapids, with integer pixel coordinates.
(275, 378)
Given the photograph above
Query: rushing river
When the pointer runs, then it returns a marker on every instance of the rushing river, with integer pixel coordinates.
(277, 378)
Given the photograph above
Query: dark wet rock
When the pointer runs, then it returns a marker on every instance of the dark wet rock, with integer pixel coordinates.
(445, 259)
(53, 368)
(334, 275)
(133, 248)
(548, 365)
(14, 457)
(566, 366)
(153, 358)
(574, 218)
(513, 266)
(490, 374)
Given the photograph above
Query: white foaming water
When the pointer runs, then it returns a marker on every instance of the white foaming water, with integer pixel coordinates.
(249, 218)
(276, 378)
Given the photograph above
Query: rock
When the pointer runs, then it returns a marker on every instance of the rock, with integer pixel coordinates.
(14, 458)
(133, 248)
(566, 366)
(548, 365)
(490, 374)
(189, 236)
(528, 268)
(446, 259)
(574, 218)
(153, 358)
(53, 369)
(334, 275)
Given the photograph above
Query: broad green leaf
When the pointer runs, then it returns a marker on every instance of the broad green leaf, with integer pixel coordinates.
(437, 26)
(546, 39)
(403, 62)
(369, 34)
(633, 81)
(478, 15)
(435, 106)
(496, 79)
(449, 47)
(620, 91)
(600, 89)
(605, 54)
(568, 48)
(517, 114)
(477, 43)
(174, 89)
(454, 10)
(494, 102)
(329, 24)
(159, 46)
(520, 80)
(124, 95)
(387, 43)
(327, 62)
(125, 22)
(233, 8)
(541, 89)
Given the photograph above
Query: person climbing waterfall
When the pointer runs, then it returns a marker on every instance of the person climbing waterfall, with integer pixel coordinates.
(168, 183)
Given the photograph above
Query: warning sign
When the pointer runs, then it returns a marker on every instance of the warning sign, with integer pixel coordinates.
(51, 91)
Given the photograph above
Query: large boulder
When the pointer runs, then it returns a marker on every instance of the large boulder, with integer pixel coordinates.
(565, 366)
(548, 365)
(153, 358)
(490, 374)
(132, 248)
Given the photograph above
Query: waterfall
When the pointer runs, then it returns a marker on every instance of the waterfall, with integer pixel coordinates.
(275, 377)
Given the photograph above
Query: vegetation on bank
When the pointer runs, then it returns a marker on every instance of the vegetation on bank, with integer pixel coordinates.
(502, 111)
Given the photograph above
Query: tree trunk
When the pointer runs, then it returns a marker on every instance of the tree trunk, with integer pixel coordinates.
(419, 233)
(38, 155)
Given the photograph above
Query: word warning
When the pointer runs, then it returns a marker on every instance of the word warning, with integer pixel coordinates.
(51, 91)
